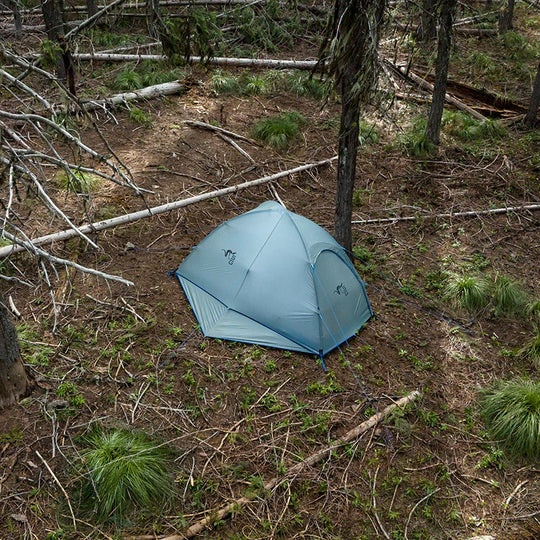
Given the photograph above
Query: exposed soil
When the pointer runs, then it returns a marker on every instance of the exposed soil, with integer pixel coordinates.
(235, 414)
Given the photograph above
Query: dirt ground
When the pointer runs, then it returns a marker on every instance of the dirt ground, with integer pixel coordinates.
(236, 415)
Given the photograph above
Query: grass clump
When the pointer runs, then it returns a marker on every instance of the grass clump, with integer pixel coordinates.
(224, 83)
(509, 298)
(466, 128)
(469, 292)
(414, 140)
(306, 85)
(511, 411)
(531, 350)
(280, 130)
(140, 117)
(125, 473)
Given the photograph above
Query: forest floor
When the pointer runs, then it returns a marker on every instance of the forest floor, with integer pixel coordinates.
(237, 415)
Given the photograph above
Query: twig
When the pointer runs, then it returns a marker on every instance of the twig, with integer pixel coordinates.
(61, 487)
(414, 508)
(204, 125)
(236, 146)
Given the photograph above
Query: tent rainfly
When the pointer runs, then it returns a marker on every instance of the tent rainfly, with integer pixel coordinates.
(274, 278)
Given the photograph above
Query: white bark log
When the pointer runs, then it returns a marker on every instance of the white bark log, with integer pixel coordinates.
(218, 61)
(164, 89)
(128, 218)
(469, 213)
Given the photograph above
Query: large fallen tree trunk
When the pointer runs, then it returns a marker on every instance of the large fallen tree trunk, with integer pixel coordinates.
(215, 517)
(422, 83)
(149, 212)
(218, 61)
(164, 89)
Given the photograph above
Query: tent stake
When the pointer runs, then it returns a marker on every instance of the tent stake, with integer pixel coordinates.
(234, 506)
(128, 218)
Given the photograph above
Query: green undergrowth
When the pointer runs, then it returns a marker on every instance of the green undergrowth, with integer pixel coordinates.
(135, 77)
(78, 182)
(511, 411)
(269, 82)
(279, 131)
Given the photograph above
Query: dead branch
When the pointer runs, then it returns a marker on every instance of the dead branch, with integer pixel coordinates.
(204, 125)
(150, 92)
(128, 218)
(296, 469)
(218, 61)
(21, 244)
(470, 213)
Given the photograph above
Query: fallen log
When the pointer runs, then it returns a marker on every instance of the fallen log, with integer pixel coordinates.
(422, 83)
(218, 61)
(351, 435)
(158, 90)
(469, 213)
(5, 251)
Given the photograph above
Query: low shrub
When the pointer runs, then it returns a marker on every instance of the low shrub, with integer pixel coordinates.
(280, 130)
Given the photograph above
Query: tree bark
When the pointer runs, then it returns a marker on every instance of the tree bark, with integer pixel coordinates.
(427, 29)
(54, 25)
(506, 16)
(433, 127)
(91, 7)
(348, 149)
(530, 117)
(14, 382)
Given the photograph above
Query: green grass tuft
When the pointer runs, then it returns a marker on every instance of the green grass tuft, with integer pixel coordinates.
(414, 140)
(140, 117)
(511, 411)
(509, 298)
(531, 349)
(279, 131)
(469, 292)
(128, 80)
(224, 83)
(466, 128)
(125, 473)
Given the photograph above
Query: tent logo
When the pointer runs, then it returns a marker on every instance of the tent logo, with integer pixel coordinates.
(341, 290)
(229, 255)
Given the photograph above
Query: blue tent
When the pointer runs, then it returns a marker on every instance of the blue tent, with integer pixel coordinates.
(274, 278)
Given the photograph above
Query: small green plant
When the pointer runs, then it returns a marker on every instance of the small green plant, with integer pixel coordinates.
(79, 182)
(306, 85)
(69, 391)
(509, 298)
(531, 350)
(533, 310)
(140, 117)
(124, 472)
(224, 83)
(280, 130)
(331, 386)
(128, 79)
(466, 128)
(469, 292)
(255, 84)
(367, 133)
(511, 411)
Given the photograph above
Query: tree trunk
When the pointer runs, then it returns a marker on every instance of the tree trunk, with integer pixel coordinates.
(427, 29)
(16, 16)
(54, 24)
(433, 127)
(530, 118)
(348, 149)
(91, 7)
(506, 16)
(152, 14)
(14, 382)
